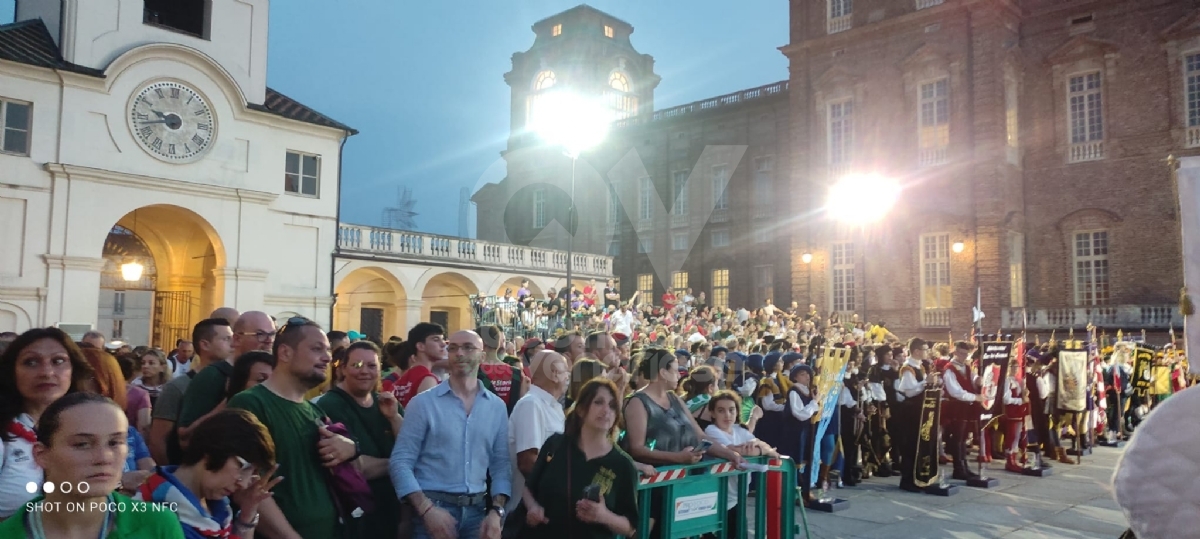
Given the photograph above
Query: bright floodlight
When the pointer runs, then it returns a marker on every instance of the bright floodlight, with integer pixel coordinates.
(572, 121)
(958, 247)
(861, 198)
(806, 258)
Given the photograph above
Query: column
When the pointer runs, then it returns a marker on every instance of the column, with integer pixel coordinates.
(244, 288)
(413, 310)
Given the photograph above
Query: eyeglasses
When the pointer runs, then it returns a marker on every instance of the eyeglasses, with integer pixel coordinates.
(246, 470)
(468, 348)
(261, 336)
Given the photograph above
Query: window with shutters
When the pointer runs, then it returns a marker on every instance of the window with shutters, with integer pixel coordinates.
(1191, 78)
(539, 208)
(1091, 267)
(935, 271)
(1085, 117)
(934, 122)
(842, 257)
(645, 199)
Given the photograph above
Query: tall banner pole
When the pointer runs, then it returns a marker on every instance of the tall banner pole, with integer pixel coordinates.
(1187, 181)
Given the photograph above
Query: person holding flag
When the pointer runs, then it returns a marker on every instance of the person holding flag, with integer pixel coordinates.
(962, 406)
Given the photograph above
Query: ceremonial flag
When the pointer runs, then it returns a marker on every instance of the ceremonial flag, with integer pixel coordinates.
(1072, 380)
(1143, 362)
(993, 371)
(926, 464)
(829, 387)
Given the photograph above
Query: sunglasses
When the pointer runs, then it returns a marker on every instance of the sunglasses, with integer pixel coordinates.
(292, 323)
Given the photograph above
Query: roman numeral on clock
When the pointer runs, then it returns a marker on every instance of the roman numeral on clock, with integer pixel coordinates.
(171, 149)
(174, 93)
(199, 141)
(145, 132)
(157, 144)
(160, 93)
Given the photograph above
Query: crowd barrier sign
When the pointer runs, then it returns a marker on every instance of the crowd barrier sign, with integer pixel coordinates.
(695, 497)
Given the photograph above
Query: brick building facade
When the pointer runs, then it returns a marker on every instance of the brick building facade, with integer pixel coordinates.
(1031, 138)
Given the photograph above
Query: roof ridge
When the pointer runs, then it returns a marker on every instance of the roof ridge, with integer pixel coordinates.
(19, 24)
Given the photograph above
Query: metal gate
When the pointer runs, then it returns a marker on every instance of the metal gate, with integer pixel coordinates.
(172, 318)
(441, 318)
(370, 323)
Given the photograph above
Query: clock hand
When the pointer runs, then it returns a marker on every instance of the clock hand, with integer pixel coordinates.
(155, 122)
(160, 115)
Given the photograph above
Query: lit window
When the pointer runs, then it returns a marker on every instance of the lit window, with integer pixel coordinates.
(720, 179)
(620, 95)
(645, 284)
(934, 133)
(15, 118)
(935, 271)
(542, 82)
(556, 30)
(539, 208)
(679, 241)
(720, 288)
(720, 237)
(843, 277)
(1016, 269)
(608, 31)
(1091, 268)
(679, 282)
(302, 174)
(1011, 117)
(1086, 120)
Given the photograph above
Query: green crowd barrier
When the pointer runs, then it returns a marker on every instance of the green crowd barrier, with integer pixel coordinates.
(694, 499)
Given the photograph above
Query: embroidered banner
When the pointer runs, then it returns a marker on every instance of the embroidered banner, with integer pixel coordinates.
(994, 373)
(926, 463)
(1072, 380)
(829, 386)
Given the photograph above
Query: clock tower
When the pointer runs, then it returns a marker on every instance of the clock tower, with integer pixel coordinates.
(93, 33)
(586, 51)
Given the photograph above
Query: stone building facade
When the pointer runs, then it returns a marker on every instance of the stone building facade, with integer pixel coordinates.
(1031, 139)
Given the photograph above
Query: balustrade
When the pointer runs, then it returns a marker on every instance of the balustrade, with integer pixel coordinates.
(432, 248)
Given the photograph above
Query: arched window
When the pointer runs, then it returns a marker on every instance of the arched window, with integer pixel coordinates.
(542, 83)
(620, 96)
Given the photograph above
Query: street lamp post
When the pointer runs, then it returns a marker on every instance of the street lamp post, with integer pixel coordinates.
(850, 195)
(576, 124)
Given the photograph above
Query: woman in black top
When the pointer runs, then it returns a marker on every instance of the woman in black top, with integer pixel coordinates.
(582, 461)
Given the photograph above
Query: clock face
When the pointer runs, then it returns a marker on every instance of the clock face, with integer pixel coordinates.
(172, 121)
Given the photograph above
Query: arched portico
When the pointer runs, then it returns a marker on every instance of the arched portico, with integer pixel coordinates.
(446, 297)
(372, 301)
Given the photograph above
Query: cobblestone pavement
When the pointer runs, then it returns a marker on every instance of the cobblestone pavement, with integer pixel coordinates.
(1074, 502)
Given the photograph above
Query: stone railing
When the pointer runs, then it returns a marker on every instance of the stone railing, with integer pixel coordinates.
(1191, 138)
(707, 104)
(838, 24)
(922, 4)
(1129, 317)
(1086, 151)
(935, 318)
(432, 249)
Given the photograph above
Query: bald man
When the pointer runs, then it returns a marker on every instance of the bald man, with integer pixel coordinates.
(254, 330)
(535, 418)
(457, 425)
(228, 313)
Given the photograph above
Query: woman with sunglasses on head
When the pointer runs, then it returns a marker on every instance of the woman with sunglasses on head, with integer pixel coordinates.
(38, 368)
(81, 445)
(231, 459)
(373, 418)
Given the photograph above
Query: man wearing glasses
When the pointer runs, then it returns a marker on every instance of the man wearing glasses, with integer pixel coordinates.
(302, 506)
(454, 435)
(205, 396)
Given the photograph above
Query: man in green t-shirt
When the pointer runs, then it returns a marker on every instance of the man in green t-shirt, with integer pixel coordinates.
(302, 506)
(254, 330)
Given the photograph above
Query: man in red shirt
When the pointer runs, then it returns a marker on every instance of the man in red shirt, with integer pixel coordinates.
(669, 300)
(427, 345)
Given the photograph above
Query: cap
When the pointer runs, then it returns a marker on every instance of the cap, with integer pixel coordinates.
(799, 369)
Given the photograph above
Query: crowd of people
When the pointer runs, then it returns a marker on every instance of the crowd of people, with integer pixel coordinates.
(298, 432)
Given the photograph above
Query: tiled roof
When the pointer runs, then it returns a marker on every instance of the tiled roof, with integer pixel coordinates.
(29, 42)
(284, 106)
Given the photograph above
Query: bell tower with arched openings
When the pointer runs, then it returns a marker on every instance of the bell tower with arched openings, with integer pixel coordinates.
(583, 50)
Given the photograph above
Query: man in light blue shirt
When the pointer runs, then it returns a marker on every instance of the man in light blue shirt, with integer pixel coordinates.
(453, 436)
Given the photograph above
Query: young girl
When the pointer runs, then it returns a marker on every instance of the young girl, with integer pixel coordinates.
(725, 408)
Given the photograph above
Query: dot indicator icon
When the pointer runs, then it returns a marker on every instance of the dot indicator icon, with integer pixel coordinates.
(31, 487)
(48, 487)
